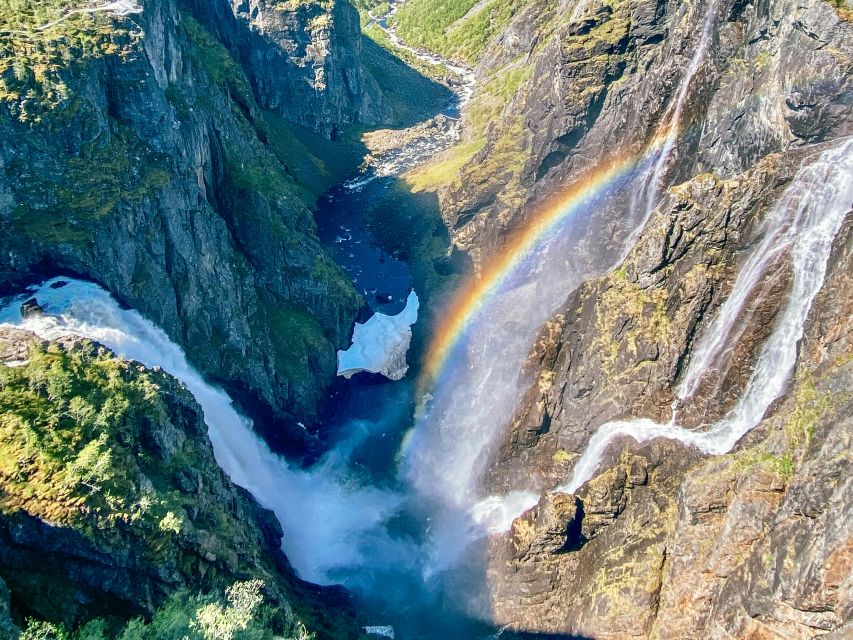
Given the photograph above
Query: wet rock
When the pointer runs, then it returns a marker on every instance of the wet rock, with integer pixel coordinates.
(31, 308)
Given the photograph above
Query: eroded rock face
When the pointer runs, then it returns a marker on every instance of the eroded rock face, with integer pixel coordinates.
(66, 555)
(156, 178)
(755, 543)
(303, 60)
(669, 543)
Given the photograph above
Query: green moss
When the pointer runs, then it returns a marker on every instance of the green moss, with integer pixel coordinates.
(33, 59)
(315, 163)
(298, 340)
(67, 427)
(76, 190)
(810, 405)
(215, 60)
(634, 314)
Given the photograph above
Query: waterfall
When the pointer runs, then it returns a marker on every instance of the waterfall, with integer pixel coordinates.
(330, 525)
(649, 183)
(475, 399)
(812, 210)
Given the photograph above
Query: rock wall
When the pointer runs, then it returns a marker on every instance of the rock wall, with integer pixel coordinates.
(559, 93)
(110, 518)
(148, 166)
(665, 542)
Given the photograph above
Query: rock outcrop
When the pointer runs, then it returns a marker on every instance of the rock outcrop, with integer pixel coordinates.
(140, 152)
(112, 499)
(666, 542)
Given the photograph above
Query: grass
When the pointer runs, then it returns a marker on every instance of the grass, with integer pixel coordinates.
(444, 169)
(458, 29)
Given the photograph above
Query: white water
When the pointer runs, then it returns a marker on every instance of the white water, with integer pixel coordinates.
(651, 180)
(474, 401)
(813, 208)
(329, 523)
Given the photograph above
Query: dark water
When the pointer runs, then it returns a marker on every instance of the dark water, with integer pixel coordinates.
(382, 278)
(397, 596)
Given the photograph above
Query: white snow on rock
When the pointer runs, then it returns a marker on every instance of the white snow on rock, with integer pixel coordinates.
(380, 344)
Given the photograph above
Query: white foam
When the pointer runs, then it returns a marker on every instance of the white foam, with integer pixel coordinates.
(330, 523)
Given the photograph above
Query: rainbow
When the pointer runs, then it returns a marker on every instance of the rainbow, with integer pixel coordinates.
(476, 294)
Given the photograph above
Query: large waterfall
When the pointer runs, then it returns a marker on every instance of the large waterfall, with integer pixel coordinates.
(329, 523)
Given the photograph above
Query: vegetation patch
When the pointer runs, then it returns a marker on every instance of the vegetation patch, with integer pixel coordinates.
(34, 56)
(298, 339)
(215, 60)
(240, 613)
(315, 163)
(444, 169)
(458, 29)
(69, 428)
(71, 191)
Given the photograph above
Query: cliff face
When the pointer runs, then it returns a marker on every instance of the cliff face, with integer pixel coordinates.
(136, 151)
(665, 541)
(566, 85)
(303, 60)
(111, 497)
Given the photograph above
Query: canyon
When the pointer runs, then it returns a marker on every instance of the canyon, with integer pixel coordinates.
(599, 249)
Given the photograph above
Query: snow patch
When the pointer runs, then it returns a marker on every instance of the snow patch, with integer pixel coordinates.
(380, 344)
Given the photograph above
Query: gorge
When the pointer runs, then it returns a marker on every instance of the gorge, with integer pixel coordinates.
(586, 267)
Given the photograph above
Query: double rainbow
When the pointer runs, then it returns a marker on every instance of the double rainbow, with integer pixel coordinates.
(478, 292)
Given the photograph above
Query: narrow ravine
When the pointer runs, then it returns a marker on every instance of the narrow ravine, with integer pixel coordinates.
(396, 509)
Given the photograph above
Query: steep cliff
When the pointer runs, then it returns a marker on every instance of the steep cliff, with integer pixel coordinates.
(112, 500)
(661, 542)
(664, 540)
(139, 152)
(566, 85)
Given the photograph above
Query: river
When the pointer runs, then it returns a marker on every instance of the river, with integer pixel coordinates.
(368, 416)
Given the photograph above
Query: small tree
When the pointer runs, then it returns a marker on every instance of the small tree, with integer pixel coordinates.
(221, 623)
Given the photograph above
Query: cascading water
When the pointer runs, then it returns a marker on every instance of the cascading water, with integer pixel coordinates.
(812, 210)
(651, 180)
(329, 523)
(473, 401)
